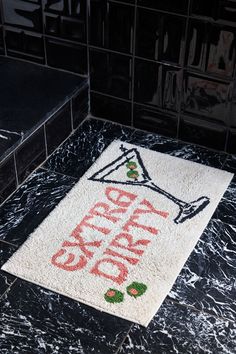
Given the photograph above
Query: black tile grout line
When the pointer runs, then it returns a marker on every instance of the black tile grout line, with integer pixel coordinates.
(219, 152)
(31, 57)
(15, 167)
(3, 29)
(133, 64)
(8, 243)
(182, 92)
(1, 13)
(112, 51)
(123, 3)
(43, 34)
(88, 53)
(111, 96)
(124, 339)
(61, 39)
(44, 122)
(227, 135)
(41, 165)
(71, 115)
(45, 140)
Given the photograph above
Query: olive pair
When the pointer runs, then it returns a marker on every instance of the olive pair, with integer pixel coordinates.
(132, 173)
(135, 290)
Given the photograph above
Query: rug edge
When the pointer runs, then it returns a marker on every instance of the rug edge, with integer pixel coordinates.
(85, 302)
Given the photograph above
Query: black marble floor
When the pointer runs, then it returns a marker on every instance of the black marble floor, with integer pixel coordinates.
(29, 94)
(198, 315)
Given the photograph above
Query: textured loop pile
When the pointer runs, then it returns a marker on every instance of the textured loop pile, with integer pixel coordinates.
(120, 237)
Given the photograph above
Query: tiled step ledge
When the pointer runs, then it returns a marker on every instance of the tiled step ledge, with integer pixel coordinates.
(41, 143)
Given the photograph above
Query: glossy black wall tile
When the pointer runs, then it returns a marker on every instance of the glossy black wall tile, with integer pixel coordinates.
(110, 73)
(23, 14)
(1, 41)
(211, 48)
(157, 85)
(1, 20)
(67, 56)
(7, 178)
(24, 44)
(203, 132)
(58, 128)
(231, 145)
(160, 36)
(66, 19)
(30, 154)
(155, 120)
(30, 26)
(205, 97)
(111, 26)
(111, 108)
(215, 9)
(80, 107)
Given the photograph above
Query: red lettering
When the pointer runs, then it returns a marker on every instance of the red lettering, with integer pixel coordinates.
(84, 223)
(132, 223)
(112, 253)
(67, 264)
(119, 279)
(106, 212)
(150, 209)
(131, 245)
(82, 245)
(119, 197)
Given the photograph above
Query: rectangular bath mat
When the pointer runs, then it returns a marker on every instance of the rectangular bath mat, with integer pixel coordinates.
(120, 237)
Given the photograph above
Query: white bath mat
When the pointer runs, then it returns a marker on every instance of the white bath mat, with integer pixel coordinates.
(120, 237)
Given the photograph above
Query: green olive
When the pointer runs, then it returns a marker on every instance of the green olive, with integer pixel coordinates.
(132, 174)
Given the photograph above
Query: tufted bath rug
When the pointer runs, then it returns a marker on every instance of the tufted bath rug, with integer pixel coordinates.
(120, 237)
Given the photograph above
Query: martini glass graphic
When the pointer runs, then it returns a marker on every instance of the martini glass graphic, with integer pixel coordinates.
(187, 210)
